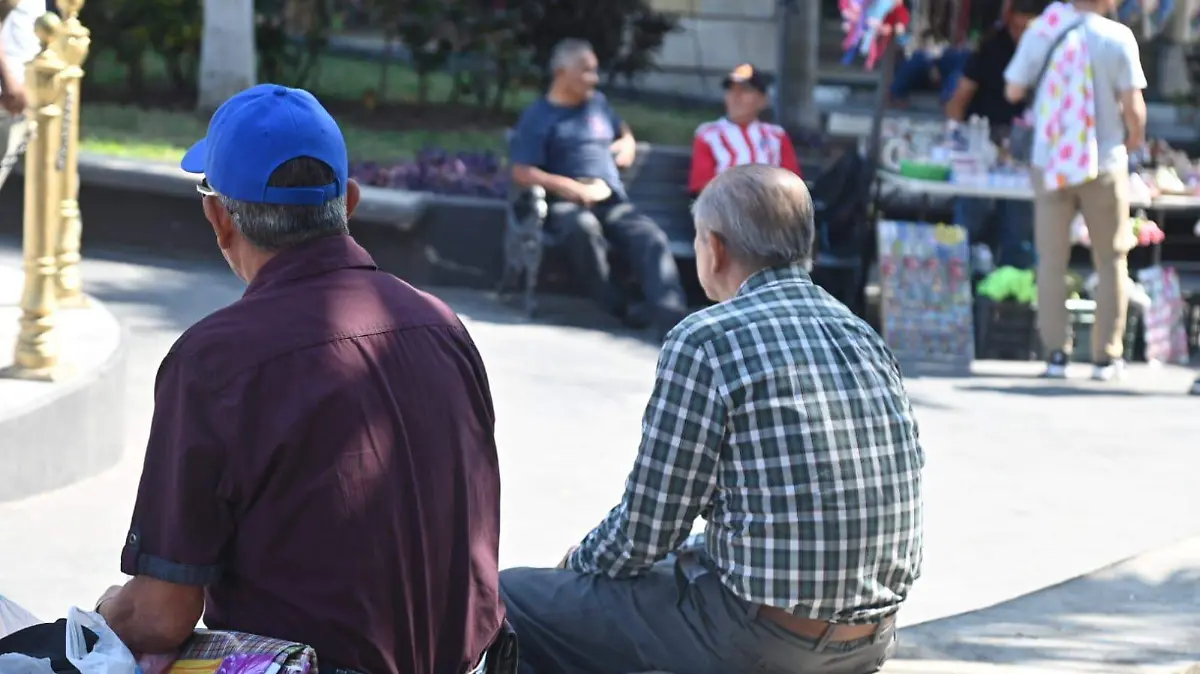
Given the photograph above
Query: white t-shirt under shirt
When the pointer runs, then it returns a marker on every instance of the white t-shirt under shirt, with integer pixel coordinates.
(1116, 68)
(17, 38)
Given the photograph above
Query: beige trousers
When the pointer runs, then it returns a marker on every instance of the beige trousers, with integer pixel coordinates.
(1104, 203)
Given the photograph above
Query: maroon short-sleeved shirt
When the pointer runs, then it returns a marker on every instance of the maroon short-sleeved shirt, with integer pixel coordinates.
(322, 460)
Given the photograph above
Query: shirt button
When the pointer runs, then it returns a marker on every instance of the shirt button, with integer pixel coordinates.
(132, 539)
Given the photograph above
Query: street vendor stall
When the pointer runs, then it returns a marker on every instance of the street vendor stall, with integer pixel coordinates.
(927, 272)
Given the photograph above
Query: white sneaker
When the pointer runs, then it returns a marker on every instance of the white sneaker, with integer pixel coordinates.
(1109, 371)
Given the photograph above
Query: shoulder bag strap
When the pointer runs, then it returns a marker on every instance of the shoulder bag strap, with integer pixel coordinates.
(1037, 85)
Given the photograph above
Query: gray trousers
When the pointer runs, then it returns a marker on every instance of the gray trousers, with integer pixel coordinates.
(678, 618)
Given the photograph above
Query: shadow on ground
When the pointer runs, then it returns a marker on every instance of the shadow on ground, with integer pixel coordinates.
(1118, 618)
(181, 292)
(1058, 391)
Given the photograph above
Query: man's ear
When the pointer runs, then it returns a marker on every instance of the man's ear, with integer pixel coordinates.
(221, 221)
(353, 194)
(719, 258)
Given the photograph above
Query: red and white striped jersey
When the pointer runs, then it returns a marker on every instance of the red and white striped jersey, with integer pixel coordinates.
(722, 144)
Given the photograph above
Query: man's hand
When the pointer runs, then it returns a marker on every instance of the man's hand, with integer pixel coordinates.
(624, 151)
(15, 99)
(587, 194)
(567, 557)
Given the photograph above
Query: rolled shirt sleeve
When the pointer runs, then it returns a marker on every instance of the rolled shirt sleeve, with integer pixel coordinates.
(182, 519)
(674, 475)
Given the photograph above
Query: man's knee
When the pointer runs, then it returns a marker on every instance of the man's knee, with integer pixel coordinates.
(644, 232)
(571, 221)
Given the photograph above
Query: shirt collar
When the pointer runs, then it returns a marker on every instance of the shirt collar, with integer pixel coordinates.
(774, 275)
(747, 125)
(311, 258)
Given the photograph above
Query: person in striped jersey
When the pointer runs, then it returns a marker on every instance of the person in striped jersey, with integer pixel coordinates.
(740, 137)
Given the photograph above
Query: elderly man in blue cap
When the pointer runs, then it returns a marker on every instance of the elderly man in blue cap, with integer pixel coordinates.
(321, 465)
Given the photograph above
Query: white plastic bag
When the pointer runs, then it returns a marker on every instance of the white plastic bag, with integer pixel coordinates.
(13, 618)
(13, 663)
(109, 656)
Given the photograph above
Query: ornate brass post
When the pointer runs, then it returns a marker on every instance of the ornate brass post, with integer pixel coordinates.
(72, 46)
(37, 350)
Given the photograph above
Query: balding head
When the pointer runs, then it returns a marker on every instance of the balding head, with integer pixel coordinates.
(750, 218)
(764, 215)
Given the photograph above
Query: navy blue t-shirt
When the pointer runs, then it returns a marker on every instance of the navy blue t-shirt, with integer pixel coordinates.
(572, 142)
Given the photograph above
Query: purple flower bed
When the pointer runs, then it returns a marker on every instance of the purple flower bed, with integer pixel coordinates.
(476, 174)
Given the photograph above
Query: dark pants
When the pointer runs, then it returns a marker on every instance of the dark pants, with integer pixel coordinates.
(1006, 224)
(915, 73)
(587, 234)
(676, 618)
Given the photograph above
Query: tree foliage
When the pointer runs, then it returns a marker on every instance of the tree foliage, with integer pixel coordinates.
(626, 34)
(132, 28)
(489, 47)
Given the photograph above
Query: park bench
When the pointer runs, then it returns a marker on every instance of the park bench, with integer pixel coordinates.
(656, 183)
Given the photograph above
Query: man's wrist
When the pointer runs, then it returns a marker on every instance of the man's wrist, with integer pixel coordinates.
(100, 605)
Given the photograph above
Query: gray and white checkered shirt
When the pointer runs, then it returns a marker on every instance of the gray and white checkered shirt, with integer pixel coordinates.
(780, 418)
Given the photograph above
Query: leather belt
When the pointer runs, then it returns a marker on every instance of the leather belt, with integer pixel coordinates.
(818, 629)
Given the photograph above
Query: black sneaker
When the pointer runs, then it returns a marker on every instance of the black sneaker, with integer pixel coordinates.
(1056, 366)
(1195, 387)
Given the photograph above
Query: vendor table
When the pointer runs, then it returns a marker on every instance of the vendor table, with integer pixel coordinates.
(1160, 204)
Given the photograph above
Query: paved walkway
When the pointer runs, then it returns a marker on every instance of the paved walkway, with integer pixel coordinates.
(1029, 483)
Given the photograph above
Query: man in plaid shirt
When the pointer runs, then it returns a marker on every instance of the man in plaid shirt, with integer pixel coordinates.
(780, 418)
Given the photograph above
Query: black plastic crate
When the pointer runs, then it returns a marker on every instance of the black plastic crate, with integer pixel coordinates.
(1005, 330)
(1008, 331)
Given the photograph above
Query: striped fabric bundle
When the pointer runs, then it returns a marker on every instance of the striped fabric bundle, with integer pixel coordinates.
(212, 652)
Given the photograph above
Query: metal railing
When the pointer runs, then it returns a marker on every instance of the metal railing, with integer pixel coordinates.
(52, 225)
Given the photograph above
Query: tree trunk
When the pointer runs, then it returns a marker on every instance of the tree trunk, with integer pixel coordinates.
(227, 56)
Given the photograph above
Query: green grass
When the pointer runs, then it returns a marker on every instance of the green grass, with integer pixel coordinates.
(161, 135)
(157, 134)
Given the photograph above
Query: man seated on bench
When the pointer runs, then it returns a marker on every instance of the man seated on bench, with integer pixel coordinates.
(572, 144)
(739, 137)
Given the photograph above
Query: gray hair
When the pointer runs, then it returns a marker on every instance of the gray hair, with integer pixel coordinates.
(273, 227)
(763, 215)
(567, 52)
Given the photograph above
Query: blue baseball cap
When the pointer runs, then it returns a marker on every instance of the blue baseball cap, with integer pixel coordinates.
(257, 131)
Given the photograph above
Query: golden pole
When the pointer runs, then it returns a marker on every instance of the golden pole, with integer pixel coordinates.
(73, 43)
(37, 349)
